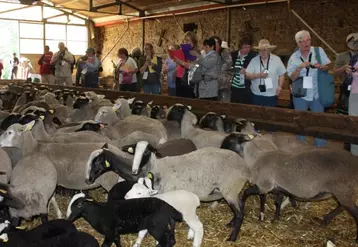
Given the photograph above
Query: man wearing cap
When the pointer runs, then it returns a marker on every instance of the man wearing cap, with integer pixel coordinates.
(267, 74)
(90, 69)
(63, 60)
(343, 67)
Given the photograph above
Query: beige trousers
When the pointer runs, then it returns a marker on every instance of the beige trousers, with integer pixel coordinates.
(48, 79)
(64, 81)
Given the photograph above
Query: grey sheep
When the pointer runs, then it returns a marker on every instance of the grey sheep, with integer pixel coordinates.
(210, 173)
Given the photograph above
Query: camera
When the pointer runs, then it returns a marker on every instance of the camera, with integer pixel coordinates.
(62, 54)
(262, 88)
(353, 69)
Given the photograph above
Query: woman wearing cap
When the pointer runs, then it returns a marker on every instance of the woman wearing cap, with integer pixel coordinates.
(90, 69)
(267, 74)
(224, 75)
(303, 63)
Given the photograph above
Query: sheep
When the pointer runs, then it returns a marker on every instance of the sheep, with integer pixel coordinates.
(142, 150)
(309, 175)
(96, 100)
(135, 137)
(126, 216)
(131, 123)
(157, 111)
(140, 108)
(3, 115)
(56, 233)
(83, 110)
(70, 163)
(183, 201)
(203, 138)
(40, 133)
(9, 120)
(202, 172)
(34, 180)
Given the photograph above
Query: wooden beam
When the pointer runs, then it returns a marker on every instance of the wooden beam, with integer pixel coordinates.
(324, 125)
(10, 10)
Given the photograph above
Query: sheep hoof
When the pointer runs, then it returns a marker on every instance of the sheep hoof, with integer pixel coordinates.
(261, 217)
(191, 234)
(214, 205)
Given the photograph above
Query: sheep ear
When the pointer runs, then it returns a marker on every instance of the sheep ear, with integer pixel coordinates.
(165, 107)
(129, 148)
(107, 164)
(89, 199)
(29, 126)
(130, 101)
(223, 116)
(51, 111)
(153, 192)
(150, 103)
(42, 117)
(105, 146)
(140, 181)
(249, 137)
(116, 106)
(3, 192)
(101, 125)
(101, 96)
(189, 107)
(4, 238)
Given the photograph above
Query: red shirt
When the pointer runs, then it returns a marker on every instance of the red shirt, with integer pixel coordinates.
(44, 61)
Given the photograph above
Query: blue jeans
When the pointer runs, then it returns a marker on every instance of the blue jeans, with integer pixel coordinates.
(315, 106)
(264, 100)
(151, 88)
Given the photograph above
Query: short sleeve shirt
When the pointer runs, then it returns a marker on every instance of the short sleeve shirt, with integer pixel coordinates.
(131, 64)
(275, 68)
(295, 61)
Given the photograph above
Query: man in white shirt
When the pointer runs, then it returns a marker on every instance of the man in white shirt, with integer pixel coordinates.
(267, 74)
(63, 60)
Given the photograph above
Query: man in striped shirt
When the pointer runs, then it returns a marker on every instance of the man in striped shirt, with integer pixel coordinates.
(240, 88)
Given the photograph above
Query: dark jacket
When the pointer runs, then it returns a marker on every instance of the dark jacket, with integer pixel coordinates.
(154, 78)
(250, 56)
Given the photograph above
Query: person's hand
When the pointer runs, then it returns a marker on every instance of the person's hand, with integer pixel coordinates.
(194, 53)
(318, 66)
(242, 71)
(304, 65)
(262, 75)
(278, 91)
(348, 70)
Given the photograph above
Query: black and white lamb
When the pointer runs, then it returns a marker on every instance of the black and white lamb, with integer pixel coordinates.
(114, 218)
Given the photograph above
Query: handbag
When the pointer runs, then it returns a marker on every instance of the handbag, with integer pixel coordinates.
(325, 84)
(297, 88)
(126, 78)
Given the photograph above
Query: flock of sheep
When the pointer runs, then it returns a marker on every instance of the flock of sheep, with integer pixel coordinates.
(156, 163)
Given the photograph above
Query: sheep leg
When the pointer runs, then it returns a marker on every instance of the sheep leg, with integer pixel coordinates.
(262, 206)
(107, 242)
(196, 225)
(165, 238)
(328, 218)
(353, 210)
(253, 190)
(44, 218)
(278, 202)
(293, 202)
(141, 235)
(15, 221)
(117, 241)
(55, 206)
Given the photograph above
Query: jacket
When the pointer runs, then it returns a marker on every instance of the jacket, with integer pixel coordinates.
(45, 64)
(211, 65)
(63, 68)
(155, 77)
(250, 56)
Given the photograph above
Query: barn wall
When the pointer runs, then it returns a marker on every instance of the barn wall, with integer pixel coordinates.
(333, 20)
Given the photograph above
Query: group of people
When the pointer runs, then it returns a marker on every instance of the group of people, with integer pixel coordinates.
(250, 75)
(58, 68)
(14, 63)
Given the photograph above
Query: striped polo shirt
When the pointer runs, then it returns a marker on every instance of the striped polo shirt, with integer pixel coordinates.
(236, 82)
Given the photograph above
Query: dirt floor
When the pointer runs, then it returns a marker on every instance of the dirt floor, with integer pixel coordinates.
(297, 227)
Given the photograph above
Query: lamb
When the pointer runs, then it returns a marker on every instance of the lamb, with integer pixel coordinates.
(96, 100)
(142, 151)
(70, 163)
(322, 172)
(131, 123)
(56, 233)
(202, 172)
(140, 108)
(203, 138)
(183, 201)
(126, 216)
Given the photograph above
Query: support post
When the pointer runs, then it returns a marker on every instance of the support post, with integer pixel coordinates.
(228, 26)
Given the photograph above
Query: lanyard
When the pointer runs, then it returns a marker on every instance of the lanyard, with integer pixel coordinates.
(309, 60)
(267, 65)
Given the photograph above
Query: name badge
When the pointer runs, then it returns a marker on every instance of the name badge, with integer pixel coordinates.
(268, 83)
(63, 63)
(307, 82)
(84, 71)
(349, 87)
(145, 75)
